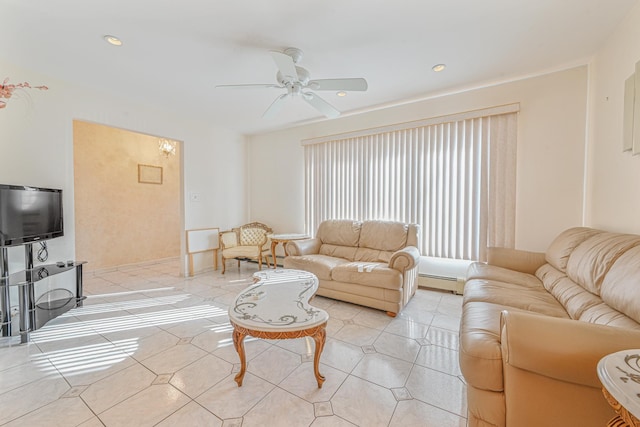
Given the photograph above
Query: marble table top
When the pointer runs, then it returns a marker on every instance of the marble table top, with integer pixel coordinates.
(288, 236)
(278, 302)
(620, 375)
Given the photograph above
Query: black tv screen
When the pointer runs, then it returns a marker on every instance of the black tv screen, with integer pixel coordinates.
(29, 214)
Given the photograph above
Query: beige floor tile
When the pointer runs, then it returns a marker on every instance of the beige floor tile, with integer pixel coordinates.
(146, 408)
(438, 389)
(444, 321)
(191, 328)
(274, 364)
(383, 370)
(443, 338)
(252, 348)
(215, 337)
(302, 382)
(407, 328)
(92, 422)
(396, 346)
(333, 421)
(300, 346)
(147, 346)
(375, 319)
(60, 413)
(20, 375)
(363, 403)
(173, 359)
(358, 335)
(191, 415)
(115, 388)
(416, 413)
(418, 313)
(341, 355)
(227, 400)
(30, 397)
(333, 326)
(342, 310)
(86, 364)
(439, 358)
(201, 375)
(280, 409)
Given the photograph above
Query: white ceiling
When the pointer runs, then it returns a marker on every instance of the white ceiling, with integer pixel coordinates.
(175, 52)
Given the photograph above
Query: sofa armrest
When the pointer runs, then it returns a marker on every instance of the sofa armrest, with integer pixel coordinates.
(515, 259)
(303, 247)
(563, 349)
(405, 258)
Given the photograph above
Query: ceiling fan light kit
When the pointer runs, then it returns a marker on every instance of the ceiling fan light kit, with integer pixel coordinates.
(296, 81)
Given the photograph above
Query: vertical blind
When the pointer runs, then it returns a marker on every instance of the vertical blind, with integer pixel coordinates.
(455, 176)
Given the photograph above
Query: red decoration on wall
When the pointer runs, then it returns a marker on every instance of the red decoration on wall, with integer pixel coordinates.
(6, 90)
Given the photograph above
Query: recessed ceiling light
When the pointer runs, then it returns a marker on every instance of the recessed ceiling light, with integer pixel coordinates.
(438, 67)
(341, 93)
(113, 40)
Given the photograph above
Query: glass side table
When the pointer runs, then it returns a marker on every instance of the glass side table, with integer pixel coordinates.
(619, 374)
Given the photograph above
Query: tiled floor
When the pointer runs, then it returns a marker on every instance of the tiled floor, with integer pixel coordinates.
(150, 348)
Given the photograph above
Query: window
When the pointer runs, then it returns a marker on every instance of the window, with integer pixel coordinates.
(454, 175)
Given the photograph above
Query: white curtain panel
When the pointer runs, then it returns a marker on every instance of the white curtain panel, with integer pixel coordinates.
(455, 176)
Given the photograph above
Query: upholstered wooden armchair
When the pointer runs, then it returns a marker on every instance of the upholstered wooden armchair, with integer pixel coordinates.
(249, 241)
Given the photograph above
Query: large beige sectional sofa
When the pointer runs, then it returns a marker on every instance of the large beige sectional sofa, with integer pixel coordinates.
(534, 327)
(371, 263)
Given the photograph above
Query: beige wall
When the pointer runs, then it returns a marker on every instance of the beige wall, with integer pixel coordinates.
(613, 176)
(119, 220)
(551, 152)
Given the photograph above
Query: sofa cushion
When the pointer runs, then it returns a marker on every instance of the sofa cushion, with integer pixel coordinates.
(591, 260)
(368, 273)
(574, 298)
(383, 235)
(346, 252)
(339, 232)
(562, 246)
(620, 288)
(509, 295)
(372, 255)
(479, 270)
(320, 265)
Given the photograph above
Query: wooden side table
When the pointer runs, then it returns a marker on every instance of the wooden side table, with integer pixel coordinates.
(619, 374)
(283, 238)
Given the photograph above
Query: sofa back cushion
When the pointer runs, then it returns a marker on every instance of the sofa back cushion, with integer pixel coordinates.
(621, 286)
(383, 235)
(380, 239)
(339, 238)
(591, 260)
(562, 246)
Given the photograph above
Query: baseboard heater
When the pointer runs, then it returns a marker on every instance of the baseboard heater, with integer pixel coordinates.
(453, 284)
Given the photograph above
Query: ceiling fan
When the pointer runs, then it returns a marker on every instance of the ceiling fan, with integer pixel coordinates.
(296, 81)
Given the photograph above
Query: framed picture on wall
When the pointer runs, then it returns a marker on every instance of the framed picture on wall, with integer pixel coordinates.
(148, 174)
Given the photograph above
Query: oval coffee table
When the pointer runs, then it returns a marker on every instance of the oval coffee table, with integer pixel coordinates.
(277, 306)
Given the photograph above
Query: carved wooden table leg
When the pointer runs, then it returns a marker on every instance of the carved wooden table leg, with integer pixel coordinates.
(238, 343)
(624, 417)
(274, 243)
(319, 337)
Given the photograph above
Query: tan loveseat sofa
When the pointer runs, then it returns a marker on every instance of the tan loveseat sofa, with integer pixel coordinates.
(371, 263)
(534, 327)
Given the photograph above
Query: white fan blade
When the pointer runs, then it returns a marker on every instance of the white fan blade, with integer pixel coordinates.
(249, 86)
(338, 84)
(275, 106)
(321, 105)
(285, 65)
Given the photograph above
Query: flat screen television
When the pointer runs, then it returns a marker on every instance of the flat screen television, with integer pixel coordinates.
(29, 214)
